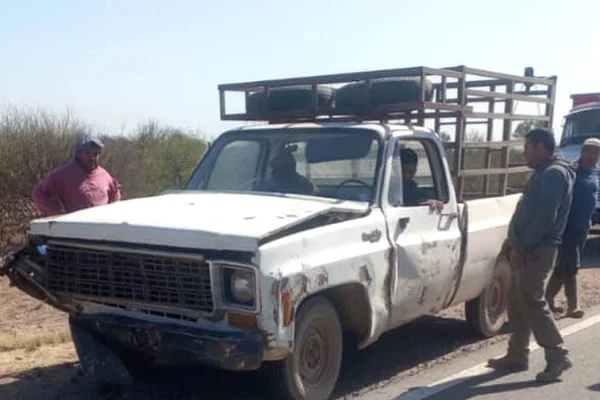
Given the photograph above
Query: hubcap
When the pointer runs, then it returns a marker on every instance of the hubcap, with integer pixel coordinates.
(314, 356)
(495, 300)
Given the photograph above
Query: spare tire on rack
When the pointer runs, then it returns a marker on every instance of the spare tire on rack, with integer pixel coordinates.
(288, 100)
(386, 91)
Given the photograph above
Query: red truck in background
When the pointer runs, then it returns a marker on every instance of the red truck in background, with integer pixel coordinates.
(584, 98)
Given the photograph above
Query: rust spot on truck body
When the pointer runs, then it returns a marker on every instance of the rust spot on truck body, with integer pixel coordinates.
(371, 237)
(426, 246)
(291, 293)
(321, 280)
(364, 276)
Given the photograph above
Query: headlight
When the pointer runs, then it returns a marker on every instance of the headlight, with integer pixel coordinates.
(242, 287)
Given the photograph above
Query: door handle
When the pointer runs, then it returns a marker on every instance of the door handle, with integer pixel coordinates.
(450, 215)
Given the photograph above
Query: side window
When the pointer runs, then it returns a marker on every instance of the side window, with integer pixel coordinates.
(416, 174)
(236, 166)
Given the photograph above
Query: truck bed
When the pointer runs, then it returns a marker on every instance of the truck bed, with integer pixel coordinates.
(488, 220)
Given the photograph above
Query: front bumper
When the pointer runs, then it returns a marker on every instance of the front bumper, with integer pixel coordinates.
(211, 345)
(224, 348)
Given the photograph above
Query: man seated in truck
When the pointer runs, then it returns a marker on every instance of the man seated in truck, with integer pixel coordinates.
(285, 178)
(412, 194)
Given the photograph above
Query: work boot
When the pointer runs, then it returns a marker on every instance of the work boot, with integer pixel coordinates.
(554, 370)
(573, 310)
(554, 286)
(510, 363)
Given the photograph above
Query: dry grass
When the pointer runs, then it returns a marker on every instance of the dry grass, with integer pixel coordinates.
(33, 340)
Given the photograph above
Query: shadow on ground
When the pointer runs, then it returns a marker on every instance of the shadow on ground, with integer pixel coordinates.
(423, 342)
(471, 389)
(595, 388)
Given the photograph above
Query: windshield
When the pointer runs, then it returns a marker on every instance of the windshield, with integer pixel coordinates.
(327, 162)
(580, 126)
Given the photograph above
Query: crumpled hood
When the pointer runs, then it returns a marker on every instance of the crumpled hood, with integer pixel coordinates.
(197, 220)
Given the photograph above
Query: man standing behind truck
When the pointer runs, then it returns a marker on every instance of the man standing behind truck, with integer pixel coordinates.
(80, 184)
(585, 192)
(534, 234)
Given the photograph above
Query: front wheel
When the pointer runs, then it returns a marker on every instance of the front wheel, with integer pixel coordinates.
(487, 313)
(312, 370)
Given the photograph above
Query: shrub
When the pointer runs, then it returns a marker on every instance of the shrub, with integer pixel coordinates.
(33, 143)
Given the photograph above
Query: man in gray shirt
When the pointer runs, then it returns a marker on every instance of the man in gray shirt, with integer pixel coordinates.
(534, 234)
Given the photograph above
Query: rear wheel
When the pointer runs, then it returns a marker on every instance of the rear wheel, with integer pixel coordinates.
(312, 370)
(487, 313)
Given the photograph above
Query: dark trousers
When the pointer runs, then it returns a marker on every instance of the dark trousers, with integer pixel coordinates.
(528, 310)
(569, 254)
(565, 271)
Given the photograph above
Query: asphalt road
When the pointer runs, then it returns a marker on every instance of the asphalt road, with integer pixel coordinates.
(469, 378)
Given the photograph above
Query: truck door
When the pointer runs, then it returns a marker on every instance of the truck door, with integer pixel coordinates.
(426, 242)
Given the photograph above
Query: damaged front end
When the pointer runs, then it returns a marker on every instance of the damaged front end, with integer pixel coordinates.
(157, 305)
(25, 270)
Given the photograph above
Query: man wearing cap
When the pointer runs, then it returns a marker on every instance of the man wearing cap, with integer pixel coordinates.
(585, 192)
(80, 184)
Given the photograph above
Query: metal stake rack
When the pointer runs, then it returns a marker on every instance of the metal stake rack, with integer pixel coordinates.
(457, 98)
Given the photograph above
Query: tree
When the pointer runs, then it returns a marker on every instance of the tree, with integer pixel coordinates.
(445, 136)
(524, 127)
(474, 136)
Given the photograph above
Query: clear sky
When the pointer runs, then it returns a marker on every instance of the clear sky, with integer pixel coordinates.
(117, 63)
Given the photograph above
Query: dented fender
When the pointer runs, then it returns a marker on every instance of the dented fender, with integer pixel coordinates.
(27, 275)
(335, 260)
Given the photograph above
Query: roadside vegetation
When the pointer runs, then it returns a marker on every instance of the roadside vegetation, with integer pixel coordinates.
(149, 159)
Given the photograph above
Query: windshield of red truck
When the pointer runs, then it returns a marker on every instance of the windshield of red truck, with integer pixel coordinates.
(332, 163)
(580, 126)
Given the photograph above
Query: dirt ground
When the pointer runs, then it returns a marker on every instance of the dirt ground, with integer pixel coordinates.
(37, 359)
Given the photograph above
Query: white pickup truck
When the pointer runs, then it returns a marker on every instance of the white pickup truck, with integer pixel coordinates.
(242, 269)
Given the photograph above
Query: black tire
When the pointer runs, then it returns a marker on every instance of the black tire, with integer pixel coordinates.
(107, 362)
(139, 365)
(317, 324)
(383, 92)
(99, 362)
(295, 98)
(487, 313)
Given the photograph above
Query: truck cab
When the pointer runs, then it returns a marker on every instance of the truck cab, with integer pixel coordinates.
(581, 123)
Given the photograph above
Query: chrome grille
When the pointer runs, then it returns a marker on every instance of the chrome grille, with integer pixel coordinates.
(140, 278)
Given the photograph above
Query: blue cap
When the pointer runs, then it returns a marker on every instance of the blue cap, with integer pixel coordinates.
(88, 142)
